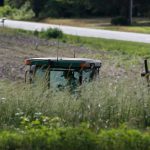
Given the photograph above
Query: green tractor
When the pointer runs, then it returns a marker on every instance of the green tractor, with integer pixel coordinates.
(62, 72)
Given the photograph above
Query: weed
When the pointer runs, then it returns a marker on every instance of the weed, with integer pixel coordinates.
(51, 33)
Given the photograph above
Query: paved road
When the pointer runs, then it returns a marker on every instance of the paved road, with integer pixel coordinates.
(86, 32)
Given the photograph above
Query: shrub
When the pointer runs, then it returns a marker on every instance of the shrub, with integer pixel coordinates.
(51, 33)
(23, 13)
(119, 21)
(36, 33)
(122, 139)
(78, 138)
(6, 11)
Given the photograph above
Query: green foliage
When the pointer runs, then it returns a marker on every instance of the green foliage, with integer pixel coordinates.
(124, 47)
(119, 21)
(38, 121)
(51, 33)
(23, 13)
(6, 11)
(126, 140)
(121, 47)
(37, 6)
(45, 34)
(36, 33)
(105, 104)
(77, 138)
(74, 139)
(15, 3)
(82, 8)
(119, 97)
(44, 119)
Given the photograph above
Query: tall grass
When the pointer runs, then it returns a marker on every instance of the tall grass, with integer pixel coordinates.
(118, 97)
(105, 103)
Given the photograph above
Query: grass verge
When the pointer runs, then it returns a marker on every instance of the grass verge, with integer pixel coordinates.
(136, 29)
(124, 47)
(140, 25)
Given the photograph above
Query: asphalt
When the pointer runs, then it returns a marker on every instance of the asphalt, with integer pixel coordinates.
(80, 31)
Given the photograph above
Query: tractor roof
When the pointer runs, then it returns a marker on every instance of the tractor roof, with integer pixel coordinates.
(63, 62)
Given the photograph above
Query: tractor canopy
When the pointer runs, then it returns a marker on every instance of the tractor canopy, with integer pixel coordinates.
(64, 62)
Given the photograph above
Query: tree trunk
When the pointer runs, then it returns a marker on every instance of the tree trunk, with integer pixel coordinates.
(130, 11)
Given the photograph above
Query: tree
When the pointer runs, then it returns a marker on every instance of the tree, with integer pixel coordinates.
(37, 6)
(1, 2)
(86, 8)
(130, 11)
(16, 3)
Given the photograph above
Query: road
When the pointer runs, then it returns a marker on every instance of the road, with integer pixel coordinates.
(80, 31)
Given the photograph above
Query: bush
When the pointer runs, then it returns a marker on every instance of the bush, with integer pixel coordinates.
(6, 11)
(119, 21)
(24, 13)
(51, 33)
(74, 139)
(123, 139)
(36, 33)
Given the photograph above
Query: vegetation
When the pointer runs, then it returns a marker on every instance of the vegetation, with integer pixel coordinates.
(86, 8)
(24, 13)
(74, 139)
(105, 104)
(124, 47)
(121, 47)
(109, 113)
(140, 25)
(119, 21)
(51, 33)
(112, 112)
(137, 29)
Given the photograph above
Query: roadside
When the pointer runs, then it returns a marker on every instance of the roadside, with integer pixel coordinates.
(140, 25)
(80, 31)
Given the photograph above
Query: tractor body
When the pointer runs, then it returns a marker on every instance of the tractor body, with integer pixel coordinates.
(62, 72)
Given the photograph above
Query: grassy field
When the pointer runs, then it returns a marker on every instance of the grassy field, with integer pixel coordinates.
(124, 47)
(140, 25)
(136, 29)
(115, 107)
(120, 96)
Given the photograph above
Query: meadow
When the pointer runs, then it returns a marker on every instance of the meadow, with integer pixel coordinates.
(116, 106)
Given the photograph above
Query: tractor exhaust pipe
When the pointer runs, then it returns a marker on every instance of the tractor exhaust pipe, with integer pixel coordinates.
(146, 74)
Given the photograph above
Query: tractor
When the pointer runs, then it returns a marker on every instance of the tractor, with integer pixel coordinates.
(62, 72)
